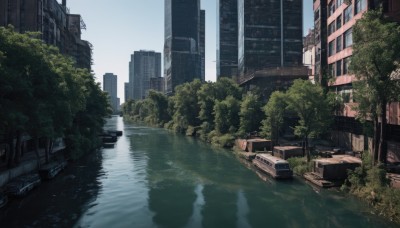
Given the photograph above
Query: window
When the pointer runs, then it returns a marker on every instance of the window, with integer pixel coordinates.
(339, 68)
(316, 14)
(348, 38)
(339, 22)
(331, 28)
(348, 13)
(360, 5)
(331, 69)
(331, 48)
(331, 8)
(338, 3)
(346, 63)
(338, 44)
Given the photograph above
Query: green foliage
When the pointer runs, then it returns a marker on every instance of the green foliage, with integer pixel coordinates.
(369, 182)
(275, 112)
(225, 140)
(186, 107)
(39, 85)
(300, 165)
(376, 55)
(227, 115)
(250, 114)
(309, 102)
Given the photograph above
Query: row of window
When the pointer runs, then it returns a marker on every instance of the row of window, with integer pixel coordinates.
(341, 42)
(340, 67)
(359, 5)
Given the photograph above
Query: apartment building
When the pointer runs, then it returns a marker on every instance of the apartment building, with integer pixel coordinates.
(57, 26)
(334, 40)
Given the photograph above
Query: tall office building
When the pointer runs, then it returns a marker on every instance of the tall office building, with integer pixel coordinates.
(144, 66)
(110, 86)
(182, 56)
(270, 34)
(227, 38)
(270, 45)
(202, 44)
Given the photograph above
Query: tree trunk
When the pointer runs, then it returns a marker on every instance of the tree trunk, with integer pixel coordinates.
(375, 141)
(307, 149)
(18, 147)
(382, 138)
(37, 151)
(47, 150)
(10, 140)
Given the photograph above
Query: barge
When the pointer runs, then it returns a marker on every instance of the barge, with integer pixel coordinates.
(276, 167)
(20, 186)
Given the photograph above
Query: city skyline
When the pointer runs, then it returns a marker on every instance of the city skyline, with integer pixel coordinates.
(139, 25)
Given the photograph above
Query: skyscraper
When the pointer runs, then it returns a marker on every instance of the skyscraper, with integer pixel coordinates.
(182, 56)
(227, 38)
(202, 44)
(144, 65)
(110, 86)
(270, 34)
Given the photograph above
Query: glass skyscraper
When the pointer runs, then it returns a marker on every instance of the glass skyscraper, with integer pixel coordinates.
(182, 55)
(227, 38)
(270, 34)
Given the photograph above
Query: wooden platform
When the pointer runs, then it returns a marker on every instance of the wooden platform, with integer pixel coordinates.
(317, 180)
(394, 180)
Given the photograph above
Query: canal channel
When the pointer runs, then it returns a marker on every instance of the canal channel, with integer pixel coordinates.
(154, 178)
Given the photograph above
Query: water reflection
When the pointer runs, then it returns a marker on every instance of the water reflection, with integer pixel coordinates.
(59, 202)
(153, 178)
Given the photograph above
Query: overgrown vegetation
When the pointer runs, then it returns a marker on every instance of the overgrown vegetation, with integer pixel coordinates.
(300, 165)
(43, 95)
(369, 182)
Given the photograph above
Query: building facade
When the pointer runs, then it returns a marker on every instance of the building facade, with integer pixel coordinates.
(57, 26)
(144, 66)
(309, 53)
(202, 44)
(335, 34)
(110, 86)
(227, 38)
(157, 84)
(270, 34)
(182, 55)
(270, 45)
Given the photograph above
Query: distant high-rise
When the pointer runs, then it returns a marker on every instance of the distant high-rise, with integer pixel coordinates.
(144, 66)
(227, 38)
(270, 34)
(182, 55)
(110, 86)
(202, 44)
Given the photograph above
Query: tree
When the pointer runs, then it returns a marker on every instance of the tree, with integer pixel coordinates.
(158, 111)
(376, 55)
(274, 111)
(312, 107)
(226, 113)
(250, 114)
(186, 106)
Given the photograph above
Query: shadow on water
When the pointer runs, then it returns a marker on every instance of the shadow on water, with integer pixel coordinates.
(59, 202)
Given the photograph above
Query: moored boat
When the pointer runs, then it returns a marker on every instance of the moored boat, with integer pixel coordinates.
(276, 167)
(50, 170)
(20, 186)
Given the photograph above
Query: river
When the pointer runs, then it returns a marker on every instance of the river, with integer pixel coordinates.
(154, 178)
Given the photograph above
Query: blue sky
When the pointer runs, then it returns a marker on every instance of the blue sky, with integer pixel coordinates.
(117, 28)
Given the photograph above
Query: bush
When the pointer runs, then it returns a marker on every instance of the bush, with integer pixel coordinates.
(226, 141)
(300, 165)
(370, 183)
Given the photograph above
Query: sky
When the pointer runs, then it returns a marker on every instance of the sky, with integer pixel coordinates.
(117, 28)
